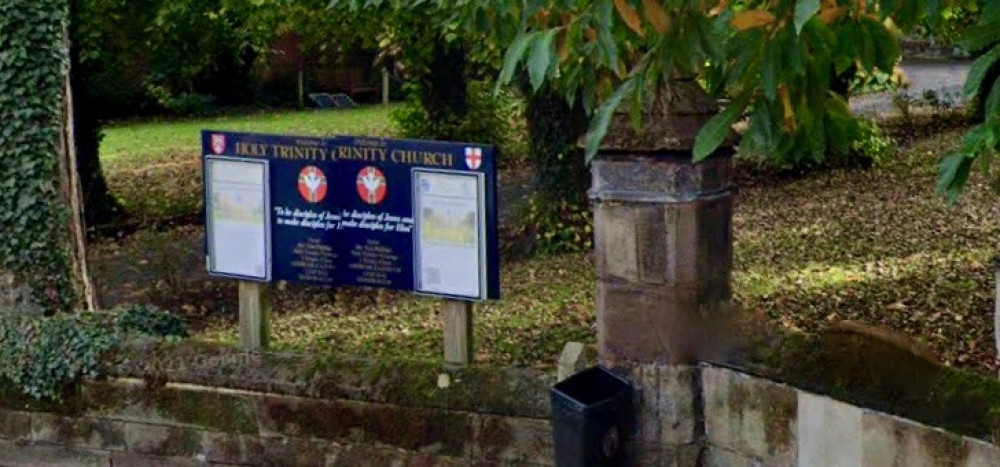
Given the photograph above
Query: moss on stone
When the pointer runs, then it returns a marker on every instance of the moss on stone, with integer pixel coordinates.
(871, 374)
(222, 412)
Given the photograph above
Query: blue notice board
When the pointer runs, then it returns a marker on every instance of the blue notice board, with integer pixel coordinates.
(347, 211)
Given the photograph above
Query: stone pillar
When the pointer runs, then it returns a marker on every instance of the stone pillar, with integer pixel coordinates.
(663, 246)
(662, 232)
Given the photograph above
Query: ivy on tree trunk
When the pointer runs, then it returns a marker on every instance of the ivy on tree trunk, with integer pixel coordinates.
(554, 127)
(445, 88)
(37, 252)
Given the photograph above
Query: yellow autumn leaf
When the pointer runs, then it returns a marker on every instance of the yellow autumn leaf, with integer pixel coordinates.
(786, 105)
(752, 19)
(862, 7)
(832, 14)
(563, 47)
(629, 16)
(621, 70)
(719, 8)
(656, 15)
(543, 16)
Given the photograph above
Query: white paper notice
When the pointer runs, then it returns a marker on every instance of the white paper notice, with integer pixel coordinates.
(237, 218)
(449, 246)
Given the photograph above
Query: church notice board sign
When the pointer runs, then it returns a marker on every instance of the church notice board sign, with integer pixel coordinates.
(346, 211)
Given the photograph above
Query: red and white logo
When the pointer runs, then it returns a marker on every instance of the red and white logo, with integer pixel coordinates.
(218, 144)
(372, 187)
(473, 157)
(312, 184)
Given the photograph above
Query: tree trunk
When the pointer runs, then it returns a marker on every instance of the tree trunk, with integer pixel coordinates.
(554, 127)
(444, 96)
(70, 181)
(100, 206)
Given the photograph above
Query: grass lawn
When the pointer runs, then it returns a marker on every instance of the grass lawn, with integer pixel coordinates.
(153, 140)
(869, 245)
(154, 168)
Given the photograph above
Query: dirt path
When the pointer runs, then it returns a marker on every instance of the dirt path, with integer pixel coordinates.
(945, 79)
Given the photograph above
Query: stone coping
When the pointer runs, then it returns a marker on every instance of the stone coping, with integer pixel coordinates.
(876, 375)
(481, 389)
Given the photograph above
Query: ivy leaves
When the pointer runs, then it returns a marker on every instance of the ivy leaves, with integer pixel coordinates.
(41, 356)
(32, 65)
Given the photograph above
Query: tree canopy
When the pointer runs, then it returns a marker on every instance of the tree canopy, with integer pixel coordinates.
(774, 60)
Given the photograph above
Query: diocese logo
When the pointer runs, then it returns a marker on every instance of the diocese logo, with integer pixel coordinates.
(371, 185)
(312, 184)
(473, 157)
(218, 144)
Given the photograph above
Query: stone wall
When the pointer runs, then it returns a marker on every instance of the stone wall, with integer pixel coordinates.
(751, 421)
(193, 405)
(188, 404)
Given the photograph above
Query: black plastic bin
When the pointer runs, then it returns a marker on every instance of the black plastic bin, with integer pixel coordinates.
(593, 418)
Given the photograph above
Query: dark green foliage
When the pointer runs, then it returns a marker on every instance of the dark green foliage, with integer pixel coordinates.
(557, 219)
(488, 119)
(554, 128)
(42, 356)
(100, 206)
(32, 218)
(149, 320)
(983, 86)
(181, 56)
(557, 226)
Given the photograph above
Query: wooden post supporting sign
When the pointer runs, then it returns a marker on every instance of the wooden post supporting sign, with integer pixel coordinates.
(255, 305)
(457, 316)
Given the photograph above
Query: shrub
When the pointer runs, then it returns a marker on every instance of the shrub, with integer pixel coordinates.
(43, 356)
(491, 119)
(556, 227)
(873, 144)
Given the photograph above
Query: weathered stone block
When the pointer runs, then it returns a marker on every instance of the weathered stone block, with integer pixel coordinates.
(893, 441)
(99, 434)
(298, 417)
(15, 425)
(202, 408)
(163, 441)
(574, 358)
(226, 448)
(85, 432)
(719, 457)
(980, 454)
(683, 243)
(294, 451)
(669, 456)
(449, 433)
(514, 440)
(615, 242)
(754, 417)
(829, 432)
(666, 179)
(51, 429)
(665, 396)
(15, 454)
(657, 323)
(129, 459)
